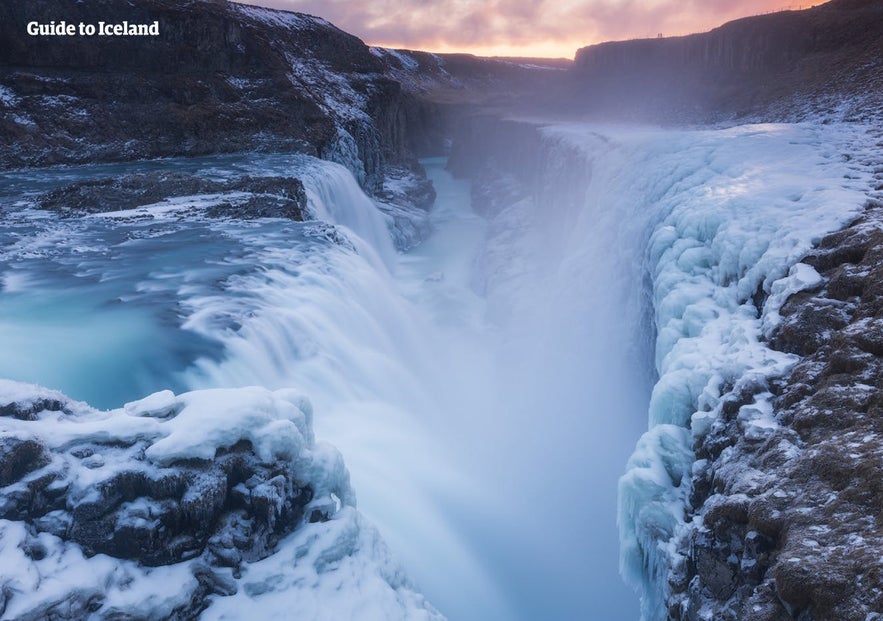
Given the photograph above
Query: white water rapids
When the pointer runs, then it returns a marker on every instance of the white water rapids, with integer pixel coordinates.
(487, 388)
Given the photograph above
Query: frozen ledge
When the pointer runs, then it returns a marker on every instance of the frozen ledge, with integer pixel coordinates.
(213, 503)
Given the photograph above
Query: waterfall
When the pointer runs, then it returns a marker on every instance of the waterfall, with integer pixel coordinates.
(487, 388)
(485, 393)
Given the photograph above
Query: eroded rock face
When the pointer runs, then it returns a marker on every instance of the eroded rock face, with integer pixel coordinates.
(244, 197)
(219, 78)
(795, 64)
(153, 483)
(233, 507)
(788, 523)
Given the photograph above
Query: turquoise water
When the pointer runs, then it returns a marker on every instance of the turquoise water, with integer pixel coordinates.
(80, 314)
(464, 434)
(96, 306)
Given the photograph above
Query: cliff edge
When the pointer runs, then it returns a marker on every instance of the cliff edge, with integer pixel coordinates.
(827, 60)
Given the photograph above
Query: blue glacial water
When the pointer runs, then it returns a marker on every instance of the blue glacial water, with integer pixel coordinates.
(467, 437)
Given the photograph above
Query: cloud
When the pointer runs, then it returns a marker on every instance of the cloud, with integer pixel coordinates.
(528, 26)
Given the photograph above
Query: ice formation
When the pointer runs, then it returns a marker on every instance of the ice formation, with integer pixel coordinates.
(531, 384)
(220, 494)
(730, 213)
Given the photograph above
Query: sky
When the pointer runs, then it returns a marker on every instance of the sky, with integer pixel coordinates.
(538, 28)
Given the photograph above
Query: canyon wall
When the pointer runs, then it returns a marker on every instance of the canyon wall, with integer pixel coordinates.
(782, 65)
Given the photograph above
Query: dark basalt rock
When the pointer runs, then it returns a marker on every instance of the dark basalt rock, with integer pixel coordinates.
(230, 509)
(77, 484)
(810, 324)
(220, 78)
(20, 457)
(264, 197)
(801, 538)
(785, 65)
(28, 410)
(92, 98)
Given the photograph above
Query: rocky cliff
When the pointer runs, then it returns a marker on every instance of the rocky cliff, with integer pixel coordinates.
(774, 511)
(780, 525)
(797, 541)
(798, 536)
(165, 508)
(220, 77)
(792, 64)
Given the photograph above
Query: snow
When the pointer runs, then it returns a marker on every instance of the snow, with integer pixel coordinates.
(404, 60)
(340, 566)
(26, 396)
(7, 97)
(333, 322)
(172, 208)
(711, 216)
(274, 425)
(277, 424)
(37, 586)
(332, 90)
(716, 219)
(157, 405)
(277, 18)
(338, 97)
(314, 566)
(728, 211)
(800, 277)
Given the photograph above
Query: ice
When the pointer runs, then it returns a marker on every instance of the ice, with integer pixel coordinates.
(338, 570)
(193, 425)
(800, 277)
(653, 493)
(310, 305)
(344, 150)
(338, 567)
(38, 586)
(332, 321)
(729, 212)
(483, 394)
(720, 219)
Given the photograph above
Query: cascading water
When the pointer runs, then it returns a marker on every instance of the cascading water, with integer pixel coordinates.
(485, 388)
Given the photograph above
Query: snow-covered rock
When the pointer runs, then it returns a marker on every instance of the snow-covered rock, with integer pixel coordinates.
(167, 506)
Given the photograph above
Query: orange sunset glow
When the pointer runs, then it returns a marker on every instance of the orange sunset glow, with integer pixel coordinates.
(536, 28)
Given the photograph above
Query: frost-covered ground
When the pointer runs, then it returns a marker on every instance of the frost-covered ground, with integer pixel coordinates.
(148, 484)
(699, 232)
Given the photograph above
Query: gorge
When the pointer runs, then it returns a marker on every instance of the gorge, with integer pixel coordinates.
(549, 345)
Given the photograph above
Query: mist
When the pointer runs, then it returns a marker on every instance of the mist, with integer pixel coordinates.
(486, 390)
